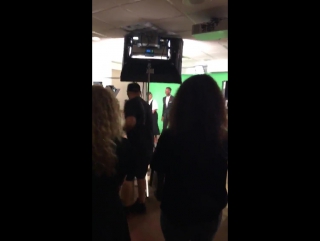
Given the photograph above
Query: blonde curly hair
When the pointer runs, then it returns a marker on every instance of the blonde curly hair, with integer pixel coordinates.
(106, 129)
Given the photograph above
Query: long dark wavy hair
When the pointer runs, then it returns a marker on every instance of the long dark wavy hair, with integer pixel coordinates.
(106, 129)
(199, 111)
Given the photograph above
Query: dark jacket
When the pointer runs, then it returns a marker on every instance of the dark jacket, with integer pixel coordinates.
(195, 178)
(166, 110)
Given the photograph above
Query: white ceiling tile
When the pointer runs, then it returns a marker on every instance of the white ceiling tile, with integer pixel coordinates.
(115, 33)
(99, 26)
(124, 2)
(207, 4)
(172, 17)
(219, 55)
(212, 47)
(117, 17)
(153, 9)
(100, 5)
(177, 24)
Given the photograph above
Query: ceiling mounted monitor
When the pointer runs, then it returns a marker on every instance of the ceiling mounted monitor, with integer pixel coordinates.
(162, 53)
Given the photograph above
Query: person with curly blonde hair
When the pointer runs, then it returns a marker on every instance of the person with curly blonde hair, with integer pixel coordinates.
(110, 158)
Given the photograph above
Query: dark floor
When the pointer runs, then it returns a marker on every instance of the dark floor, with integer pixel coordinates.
(147, 227)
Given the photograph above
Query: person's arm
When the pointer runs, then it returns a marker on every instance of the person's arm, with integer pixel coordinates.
(130, 116)
(171, 99)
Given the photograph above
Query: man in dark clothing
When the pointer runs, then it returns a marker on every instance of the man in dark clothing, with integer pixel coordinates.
(167, 102)
(138, 125)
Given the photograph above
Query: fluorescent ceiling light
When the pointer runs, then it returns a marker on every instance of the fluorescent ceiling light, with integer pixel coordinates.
(95, 38)
(135, 38)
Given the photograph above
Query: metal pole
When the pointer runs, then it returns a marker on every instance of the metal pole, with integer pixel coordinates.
(148, 83)
(147, 99)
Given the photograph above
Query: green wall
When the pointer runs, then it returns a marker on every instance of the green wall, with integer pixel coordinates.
(158, 90)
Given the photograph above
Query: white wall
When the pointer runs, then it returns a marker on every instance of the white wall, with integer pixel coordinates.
(122, 95)
(219, 65)
(101, 62)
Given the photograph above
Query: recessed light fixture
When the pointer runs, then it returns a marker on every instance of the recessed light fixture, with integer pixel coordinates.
(95, 39)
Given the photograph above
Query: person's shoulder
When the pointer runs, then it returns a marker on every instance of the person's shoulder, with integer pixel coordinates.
(145, 102)
(135, 100)
(128, 102)
(132, 102)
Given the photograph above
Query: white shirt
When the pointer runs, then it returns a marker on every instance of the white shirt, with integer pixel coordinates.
(167, 100)
(154, 104)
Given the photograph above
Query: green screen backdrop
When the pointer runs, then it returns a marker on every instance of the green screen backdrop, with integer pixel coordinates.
(158, 90)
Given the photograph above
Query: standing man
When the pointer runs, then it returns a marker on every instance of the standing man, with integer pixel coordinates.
(138, 125)
(167, 102)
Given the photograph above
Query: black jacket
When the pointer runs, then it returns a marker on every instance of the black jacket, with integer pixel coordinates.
(195, 178)
(166, 110)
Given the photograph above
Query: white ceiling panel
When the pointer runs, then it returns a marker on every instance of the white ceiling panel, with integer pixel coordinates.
(219, 55)
(116, 16)
(174, 16)
(124, 2)
(100, 5)
(213, 47)
(115, 33)
(99, 26)
(153, 9)
(183, 6)
(177, 24)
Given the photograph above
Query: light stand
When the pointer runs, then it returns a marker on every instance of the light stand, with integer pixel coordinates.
(149, 72)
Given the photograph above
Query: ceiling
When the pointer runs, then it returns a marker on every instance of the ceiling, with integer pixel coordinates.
(111, 17)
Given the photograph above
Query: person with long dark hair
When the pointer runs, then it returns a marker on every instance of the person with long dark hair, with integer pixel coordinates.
(110, 160)
(192, 155)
